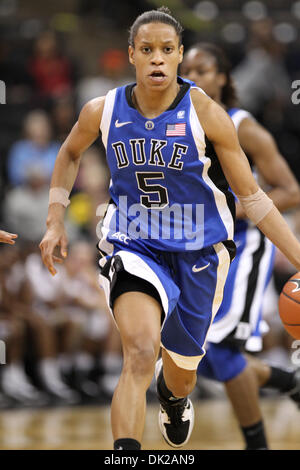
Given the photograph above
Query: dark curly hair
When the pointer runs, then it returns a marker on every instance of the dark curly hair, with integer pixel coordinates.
(161, 15)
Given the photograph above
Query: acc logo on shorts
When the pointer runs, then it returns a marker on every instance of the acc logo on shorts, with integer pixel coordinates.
(121, 237)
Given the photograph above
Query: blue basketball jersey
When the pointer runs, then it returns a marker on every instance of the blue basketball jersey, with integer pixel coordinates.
(168, 190)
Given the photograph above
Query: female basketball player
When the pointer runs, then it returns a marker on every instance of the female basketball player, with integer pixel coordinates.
(238, 319)
(179, 247)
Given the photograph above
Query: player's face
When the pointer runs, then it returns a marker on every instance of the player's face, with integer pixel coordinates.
(156, 55)
(200, 67)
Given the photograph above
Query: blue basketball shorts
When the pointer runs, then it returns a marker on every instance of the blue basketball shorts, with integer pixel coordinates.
(222, 362)
(190, 287)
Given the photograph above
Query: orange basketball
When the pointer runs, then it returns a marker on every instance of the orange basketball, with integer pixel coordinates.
(289, 306)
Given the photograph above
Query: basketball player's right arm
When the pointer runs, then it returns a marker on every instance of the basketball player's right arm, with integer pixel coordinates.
(220, 131)
(82, 135)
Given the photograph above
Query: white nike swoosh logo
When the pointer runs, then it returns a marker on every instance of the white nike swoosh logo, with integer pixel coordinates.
(196, 270)
(120, 124)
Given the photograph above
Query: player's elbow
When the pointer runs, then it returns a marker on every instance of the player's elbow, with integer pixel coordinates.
(68, 153)
(293, 195)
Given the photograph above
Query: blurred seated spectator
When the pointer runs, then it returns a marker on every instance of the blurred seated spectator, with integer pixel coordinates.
(37, 148)
(52, 72)
(112, 71)
(26, 206)
(39, 350)
(63, 116)
(15, 385)
(91, 190)
(254, 76)
(74, 304)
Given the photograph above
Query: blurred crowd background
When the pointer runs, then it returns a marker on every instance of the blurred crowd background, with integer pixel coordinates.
(61, 344)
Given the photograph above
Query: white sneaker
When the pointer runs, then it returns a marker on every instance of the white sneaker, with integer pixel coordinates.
(175, 418)
(16, 385)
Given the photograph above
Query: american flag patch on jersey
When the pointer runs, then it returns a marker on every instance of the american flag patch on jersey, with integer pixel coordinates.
(176, 129)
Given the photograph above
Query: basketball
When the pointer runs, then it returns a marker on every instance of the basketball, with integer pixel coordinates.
(289, 306)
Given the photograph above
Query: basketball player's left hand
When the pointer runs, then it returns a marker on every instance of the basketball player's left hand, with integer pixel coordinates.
(6, 237)
(54, 236)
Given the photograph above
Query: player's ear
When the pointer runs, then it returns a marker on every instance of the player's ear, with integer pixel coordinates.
(181, 50)
(131, 54)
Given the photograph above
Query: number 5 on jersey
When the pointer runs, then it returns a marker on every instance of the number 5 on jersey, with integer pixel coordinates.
(159, 192)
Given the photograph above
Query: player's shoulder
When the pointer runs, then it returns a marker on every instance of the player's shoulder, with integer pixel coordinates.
(91, 113)
(94, 106)
(199, 97)
(209, 112)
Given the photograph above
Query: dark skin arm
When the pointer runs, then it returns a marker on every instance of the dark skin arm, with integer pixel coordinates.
(260, 146)
(82, 135)
(220, 130)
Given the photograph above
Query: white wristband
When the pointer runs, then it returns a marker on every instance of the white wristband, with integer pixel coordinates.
(256, 206)
(59, 195)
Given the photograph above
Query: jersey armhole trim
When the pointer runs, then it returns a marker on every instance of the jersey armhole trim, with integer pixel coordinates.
(107, 115)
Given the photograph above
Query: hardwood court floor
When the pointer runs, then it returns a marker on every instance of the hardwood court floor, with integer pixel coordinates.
(89, 427)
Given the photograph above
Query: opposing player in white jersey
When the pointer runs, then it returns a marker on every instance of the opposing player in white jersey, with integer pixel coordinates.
(167, 234)
(238, 321)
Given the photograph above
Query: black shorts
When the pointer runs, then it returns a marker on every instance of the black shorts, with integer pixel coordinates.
(127, 282)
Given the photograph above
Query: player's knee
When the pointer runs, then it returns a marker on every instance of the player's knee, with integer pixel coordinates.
(181, 387)
(140, 358)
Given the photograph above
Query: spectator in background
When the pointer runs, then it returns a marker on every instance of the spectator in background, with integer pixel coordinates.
(254, 76)
(36, 148)
(74, 305)
(63, 116)
(39, 349)
(52, 72)
(14, 383)
(24, 205)
(91, 190)
(112, 71)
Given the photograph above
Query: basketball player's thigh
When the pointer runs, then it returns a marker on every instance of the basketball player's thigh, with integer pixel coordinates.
(201, 277)
(138, 317)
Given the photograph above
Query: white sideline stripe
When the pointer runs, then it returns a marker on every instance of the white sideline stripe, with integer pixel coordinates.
(107, 114)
